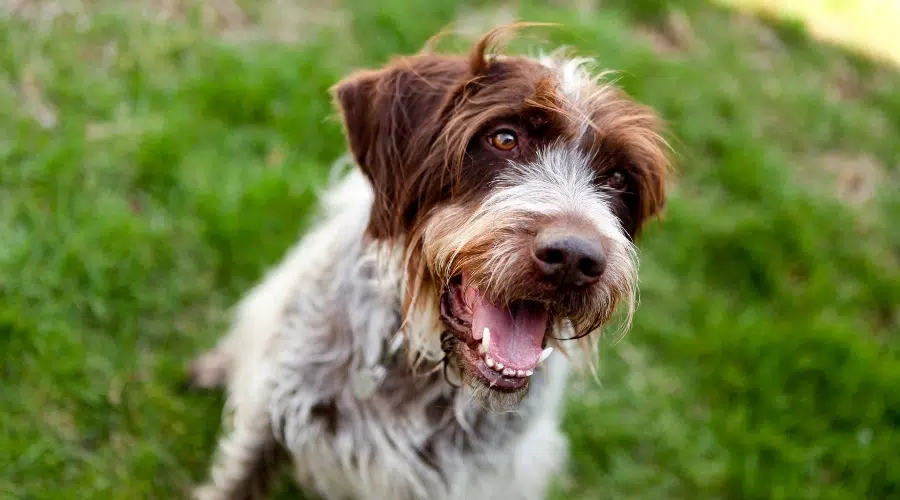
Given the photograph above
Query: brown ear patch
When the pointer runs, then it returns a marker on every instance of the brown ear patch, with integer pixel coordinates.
(392, 118)
(352, 96)
(404, 128)
(630, 136)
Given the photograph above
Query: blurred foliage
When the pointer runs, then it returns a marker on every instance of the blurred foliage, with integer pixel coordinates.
(154, 167)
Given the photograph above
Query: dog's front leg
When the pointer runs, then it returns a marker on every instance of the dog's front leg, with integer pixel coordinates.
(247, 457)
(247, 454)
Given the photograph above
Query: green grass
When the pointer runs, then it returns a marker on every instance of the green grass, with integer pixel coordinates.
(175, 164)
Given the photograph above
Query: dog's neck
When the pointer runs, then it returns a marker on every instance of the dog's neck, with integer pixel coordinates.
(378, 338)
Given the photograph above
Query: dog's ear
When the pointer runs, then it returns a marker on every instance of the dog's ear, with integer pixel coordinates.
(651, 205)
(393, 118)
(653, 167)
(353, 97)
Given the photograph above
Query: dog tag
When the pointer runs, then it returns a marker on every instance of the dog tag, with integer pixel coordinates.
(365, 381)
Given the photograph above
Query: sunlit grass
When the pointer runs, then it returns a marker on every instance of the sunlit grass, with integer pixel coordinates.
(870, 26)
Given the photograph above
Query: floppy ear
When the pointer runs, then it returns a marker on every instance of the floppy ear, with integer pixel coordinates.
(635, 137)
(392, 119)
(654, 161)
(353, 96)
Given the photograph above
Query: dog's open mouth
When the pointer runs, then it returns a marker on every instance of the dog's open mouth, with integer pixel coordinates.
(503, 344)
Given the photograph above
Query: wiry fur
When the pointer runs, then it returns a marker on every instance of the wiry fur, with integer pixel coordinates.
(558, 183)
(422, 203)
(296, 338)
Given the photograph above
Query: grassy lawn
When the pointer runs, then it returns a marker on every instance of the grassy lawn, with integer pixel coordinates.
(157, 156)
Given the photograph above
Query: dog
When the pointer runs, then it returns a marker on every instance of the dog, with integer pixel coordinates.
(405, 348)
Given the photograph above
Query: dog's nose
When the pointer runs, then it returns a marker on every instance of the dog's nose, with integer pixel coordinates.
(569, 257)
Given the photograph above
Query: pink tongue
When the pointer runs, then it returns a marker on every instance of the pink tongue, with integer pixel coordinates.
(517, 332)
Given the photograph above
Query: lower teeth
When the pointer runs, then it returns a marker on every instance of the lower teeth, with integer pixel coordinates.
(499, 369)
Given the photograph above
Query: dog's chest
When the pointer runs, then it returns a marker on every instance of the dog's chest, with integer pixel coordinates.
(415, 434)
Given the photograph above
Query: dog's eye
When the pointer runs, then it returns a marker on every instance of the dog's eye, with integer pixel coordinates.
(504, 140)
(616, 180)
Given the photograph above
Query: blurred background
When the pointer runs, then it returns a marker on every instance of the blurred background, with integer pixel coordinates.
(157, 155)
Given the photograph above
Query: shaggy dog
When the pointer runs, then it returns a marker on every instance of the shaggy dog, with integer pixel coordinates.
(405, 348)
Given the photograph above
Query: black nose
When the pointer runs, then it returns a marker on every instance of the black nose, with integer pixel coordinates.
(568, 257)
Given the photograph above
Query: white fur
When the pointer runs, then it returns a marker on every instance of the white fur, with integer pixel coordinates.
(573, 74)
(558, 183)
(581, 87)
(561, 182)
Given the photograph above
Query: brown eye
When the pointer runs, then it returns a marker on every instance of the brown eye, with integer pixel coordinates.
(504, 140)
(616, 180)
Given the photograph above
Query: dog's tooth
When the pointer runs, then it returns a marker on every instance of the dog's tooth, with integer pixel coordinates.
(486, 340)
(509, 372)
(546, 354)
(499, 366)
(520, 373)
(489, 361)
(529, 373)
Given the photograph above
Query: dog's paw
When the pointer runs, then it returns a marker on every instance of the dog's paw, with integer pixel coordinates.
(210, 370)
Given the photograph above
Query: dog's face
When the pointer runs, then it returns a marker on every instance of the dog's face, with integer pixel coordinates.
(516, 187)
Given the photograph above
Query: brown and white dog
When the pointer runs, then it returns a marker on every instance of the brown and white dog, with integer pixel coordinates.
(403, 348)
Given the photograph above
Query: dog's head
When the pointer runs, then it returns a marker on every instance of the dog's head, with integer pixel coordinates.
(515, 187)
